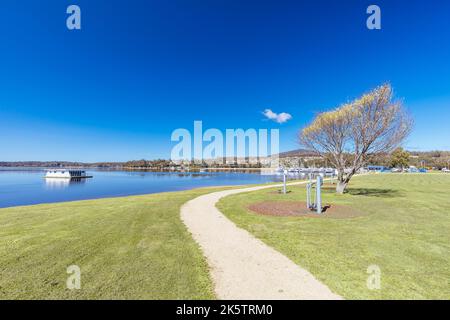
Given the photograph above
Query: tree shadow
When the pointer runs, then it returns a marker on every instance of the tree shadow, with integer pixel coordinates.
(368, 192)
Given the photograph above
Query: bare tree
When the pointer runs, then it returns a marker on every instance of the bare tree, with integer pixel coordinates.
(346, 136)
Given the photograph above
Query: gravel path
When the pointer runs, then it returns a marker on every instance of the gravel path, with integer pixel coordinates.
(243, 267)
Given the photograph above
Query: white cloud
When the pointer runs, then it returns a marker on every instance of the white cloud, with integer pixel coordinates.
(277, 117)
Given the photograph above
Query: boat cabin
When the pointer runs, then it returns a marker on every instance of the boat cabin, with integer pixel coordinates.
(66, 173)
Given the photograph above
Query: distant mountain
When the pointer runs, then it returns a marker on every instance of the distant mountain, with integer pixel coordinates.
(439, 159)
(297, 153)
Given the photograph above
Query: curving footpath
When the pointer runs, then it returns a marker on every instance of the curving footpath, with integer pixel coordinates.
(243, 267)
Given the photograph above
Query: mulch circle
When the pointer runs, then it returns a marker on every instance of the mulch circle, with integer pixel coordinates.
(298, 209)
(325, 188)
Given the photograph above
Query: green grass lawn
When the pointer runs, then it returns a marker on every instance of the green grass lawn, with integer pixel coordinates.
(127, 248)
(405, 230)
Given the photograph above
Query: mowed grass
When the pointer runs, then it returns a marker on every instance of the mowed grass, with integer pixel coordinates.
(127, 248)
(404, 230)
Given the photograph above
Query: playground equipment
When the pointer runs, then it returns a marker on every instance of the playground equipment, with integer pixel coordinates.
(316, 203)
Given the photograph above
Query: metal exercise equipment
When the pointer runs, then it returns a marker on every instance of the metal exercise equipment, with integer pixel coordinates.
(316, 203)
(285, 172)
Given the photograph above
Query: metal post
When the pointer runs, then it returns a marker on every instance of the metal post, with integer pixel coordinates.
(318, 195)
(284, 181)
(308, 196)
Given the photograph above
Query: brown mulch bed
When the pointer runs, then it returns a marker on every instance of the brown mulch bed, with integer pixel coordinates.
(298, 209)
(325, 187)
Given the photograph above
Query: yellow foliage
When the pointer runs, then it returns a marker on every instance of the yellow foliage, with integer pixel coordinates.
(346, 112)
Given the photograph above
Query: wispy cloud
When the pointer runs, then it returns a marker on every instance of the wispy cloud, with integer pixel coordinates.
(277, 117)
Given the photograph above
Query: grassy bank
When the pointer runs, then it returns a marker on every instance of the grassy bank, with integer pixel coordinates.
(403, 228)
(127, 248)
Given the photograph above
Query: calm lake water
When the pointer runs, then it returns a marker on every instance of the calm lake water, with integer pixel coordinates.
(19, 186)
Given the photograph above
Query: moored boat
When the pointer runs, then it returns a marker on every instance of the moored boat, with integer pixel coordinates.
(67, 174)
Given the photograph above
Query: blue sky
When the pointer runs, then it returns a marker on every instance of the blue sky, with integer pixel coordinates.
(137, 70)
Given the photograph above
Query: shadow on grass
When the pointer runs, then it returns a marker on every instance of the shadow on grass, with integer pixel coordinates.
(382, 193)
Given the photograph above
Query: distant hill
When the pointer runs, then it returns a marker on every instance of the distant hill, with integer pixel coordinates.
(297, 153)
(438, 159)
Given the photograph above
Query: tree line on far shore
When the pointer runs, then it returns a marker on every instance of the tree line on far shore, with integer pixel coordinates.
(296, 158)
(59, 164)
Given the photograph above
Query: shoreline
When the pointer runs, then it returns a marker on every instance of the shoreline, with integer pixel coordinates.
(25, 186)
(223, 187)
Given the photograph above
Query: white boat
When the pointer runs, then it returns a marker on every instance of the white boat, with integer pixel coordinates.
(67, 174)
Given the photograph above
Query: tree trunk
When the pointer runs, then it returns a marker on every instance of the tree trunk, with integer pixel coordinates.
(341, 183)
(340, 187)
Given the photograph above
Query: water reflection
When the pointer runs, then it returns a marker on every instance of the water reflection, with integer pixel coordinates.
(58, 183)
(169, 175)
(23, 186)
